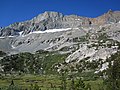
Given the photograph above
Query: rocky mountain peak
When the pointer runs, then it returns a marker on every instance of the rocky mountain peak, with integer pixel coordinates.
(47, 16)
(52, 14)
(110, 11)
(107, 18)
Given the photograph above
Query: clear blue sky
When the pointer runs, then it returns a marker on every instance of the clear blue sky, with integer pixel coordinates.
(20, 10)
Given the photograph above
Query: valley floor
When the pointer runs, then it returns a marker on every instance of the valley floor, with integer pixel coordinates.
(45, 82)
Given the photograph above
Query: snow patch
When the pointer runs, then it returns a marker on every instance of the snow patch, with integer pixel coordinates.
(2, 37)
(6, 36)
(51, 30)
(47, 31)
(78, 19)
(20, 33)
(11, 36)
(13, 46)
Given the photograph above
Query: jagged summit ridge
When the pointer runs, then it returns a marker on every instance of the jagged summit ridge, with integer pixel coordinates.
(107, 18)
(55, 20)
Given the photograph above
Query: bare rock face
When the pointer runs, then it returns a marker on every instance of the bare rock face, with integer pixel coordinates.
(52, 16)
(107, 18)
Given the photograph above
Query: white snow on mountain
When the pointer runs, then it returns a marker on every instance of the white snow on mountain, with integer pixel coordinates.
(51, 30)
(20, 33)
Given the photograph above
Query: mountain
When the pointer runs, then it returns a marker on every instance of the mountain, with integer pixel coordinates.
(92, 39)
(55, 20)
